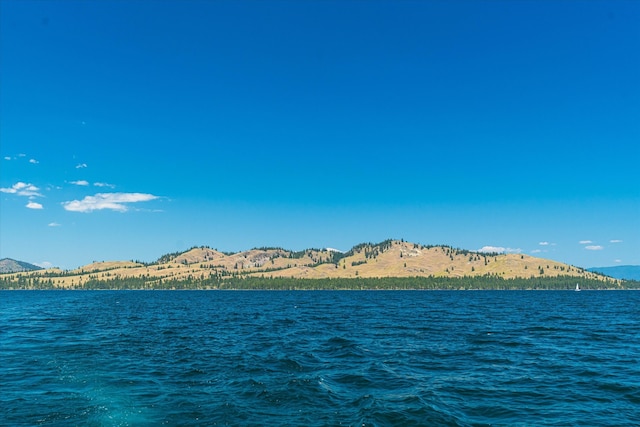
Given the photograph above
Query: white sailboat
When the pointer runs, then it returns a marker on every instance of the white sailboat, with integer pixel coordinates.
(577, 287)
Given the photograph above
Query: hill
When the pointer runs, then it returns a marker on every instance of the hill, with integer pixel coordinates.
(623, 272)
(203, 267)
(8, 265)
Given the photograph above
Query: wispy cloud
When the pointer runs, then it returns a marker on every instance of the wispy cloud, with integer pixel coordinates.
(491, 249)
(544, 243)
(112, 201)
(617, 261)
(81, 166)
(54, 224)
(34, 205)
(103, 184)
(21, 156)
(594, 248)
(22, 189)
(85, 183)
(615, 241)
(585, 242)
(536, 251)
(499, 249)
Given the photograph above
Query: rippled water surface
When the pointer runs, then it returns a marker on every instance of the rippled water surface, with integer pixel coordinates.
(319, 358)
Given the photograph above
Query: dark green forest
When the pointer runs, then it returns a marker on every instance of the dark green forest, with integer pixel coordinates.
(390, 283)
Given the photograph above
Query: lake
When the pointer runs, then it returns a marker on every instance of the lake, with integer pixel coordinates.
(320, 358)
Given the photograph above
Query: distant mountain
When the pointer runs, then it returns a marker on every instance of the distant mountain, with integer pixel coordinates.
(625, 272)
(8, 265)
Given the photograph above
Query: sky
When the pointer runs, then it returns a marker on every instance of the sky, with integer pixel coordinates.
(134, 128)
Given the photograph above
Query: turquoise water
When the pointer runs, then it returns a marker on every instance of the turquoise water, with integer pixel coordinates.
(319, 358)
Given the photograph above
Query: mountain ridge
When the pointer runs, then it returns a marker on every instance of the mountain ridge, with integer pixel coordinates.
(10, 265)
(387, 259)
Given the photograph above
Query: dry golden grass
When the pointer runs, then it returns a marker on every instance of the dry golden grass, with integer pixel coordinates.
(405, 259)
(398, 259)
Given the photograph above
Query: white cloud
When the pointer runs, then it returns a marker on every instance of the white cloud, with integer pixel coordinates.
(22, 189)
(45, 264)
(81, 166)
(80, 182)
(585, 242)
(33, 161)
(615, 241)
(34, 205)
(499, 249)
(103, 184)
(491, 249)
(7, 158)
(594, 248)
(113, 201)
(334, 250)
(544, 243)
(536, 251)
(54, 224)
(617, 261)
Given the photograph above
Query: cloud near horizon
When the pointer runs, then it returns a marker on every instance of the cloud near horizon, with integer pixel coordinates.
(45, 264)
(113, 201)
(499, 249)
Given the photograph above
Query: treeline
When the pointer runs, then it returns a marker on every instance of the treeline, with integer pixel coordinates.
(389, 283)
(423, 283)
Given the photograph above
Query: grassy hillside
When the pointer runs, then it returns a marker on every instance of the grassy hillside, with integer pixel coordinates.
(388, 259)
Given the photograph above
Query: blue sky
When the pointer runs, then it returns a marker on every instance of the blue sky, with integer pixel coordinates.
(130, 129)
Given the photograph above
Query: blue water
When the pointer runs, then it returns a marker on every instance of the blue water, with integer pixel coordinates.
(319, 358)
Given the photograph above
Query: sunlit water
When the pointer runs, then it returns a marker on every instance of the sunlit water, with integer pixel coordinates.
(319, 358)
